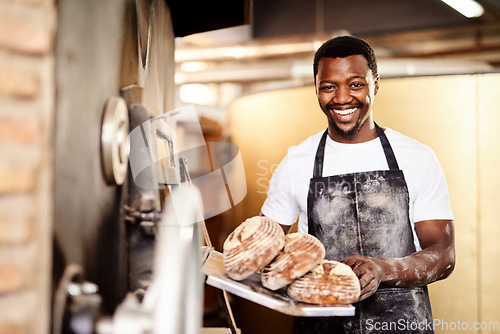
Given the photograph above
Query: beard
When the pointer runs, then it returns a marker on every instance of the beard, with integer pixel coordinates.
(349, 134)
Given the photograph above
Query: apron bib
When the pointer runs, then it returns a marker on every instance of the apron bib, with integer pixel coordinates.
(366, 213)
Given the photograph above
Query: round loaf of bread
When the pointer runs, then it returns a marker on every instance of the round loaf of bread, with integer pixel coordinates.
(302, 252)
(331, 282)
(251, 246)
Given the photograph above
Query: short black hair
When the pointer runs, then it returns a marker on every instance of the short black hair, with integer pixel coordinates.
(345, 46)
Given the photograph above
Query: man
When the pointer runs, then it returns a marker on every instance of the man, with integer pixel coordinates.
(377, 199)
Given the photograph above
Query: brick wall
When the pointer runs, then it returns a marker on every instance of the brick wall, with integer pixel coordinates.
(27, 30)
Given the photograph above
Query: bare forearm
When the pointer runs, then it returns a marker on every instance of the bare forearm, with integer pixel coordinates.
(435, 261)
(418, 269)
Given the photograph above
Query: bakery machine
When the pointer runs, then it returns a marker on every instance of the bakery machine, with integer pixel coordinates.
(131, 252)
(114, 70)
(164, 219)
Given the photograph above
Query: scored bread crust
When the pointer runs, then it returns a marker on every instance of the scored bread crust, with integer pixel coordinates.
(251, 246)
(331, 282)
(302, 252)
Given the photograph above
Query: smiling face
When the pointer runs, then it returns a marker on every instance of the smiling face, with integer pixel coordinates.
(345, 88)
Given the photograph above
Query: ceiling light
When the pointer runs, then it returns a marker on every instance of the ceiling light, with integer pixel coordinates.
(198, 94)
(194, 66)
(468, 8)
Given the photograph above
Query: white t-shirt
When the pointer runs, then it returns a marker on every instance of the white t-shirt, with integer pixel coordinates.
(289, 185)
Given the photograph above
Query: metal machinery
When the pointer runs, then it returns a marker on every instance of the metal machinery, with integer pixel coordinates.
(122, 261)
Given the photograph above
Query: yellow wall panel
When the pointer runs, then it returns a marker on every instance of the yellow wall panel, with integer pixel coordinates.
(440, 112)
(489, 185)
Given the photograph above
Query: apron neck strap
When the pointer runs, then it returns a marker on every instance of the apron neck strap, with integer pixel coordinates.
(320, 156)
(389, 153)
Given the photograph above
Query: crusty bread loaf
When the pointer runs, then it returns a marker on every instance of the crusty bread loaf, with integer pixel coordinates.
(251, 246)
(302, 252)
(330, 282)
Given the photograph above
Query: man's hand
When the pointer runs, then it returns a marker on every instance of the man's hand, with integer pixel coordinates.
(435, 261)
(369, 273)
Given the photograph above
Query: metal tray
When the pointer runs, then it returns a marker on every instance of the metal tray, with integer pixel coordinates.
(252, 289)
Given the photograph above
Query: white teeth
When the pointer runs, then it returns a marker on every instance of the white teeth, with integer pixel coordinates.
(345, 112)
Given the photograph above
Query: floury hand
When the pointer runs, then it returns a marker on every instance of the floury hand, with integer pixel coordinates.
(368, 271)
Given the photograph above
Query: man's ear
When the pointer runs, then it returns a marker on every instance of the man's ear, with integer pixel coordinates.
(377, 84)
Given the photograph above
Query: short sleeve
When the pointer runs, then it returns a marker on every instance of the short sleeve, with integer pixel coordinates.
(432, 201)
(280, 204)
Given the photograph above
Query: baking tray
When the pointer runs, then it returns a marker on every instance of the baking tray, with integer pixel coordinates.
(253, 290)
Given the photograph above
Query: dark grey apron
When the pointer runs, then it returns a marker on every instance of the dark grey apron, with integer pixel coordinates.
(366, 213)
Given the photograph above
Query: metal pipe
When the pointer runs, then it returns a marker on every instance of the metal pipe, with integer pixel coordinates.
(176, 293)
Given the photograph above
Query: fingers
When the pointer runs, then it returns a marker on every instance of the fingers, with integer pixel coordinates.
(368, 273)
(352, 260)
(365, 276)
(358, 264)
(368, 289)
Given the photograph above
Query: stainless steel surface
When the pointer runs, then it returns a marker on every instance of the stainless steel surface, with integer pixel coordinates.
(206, 250)
(176, 293)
